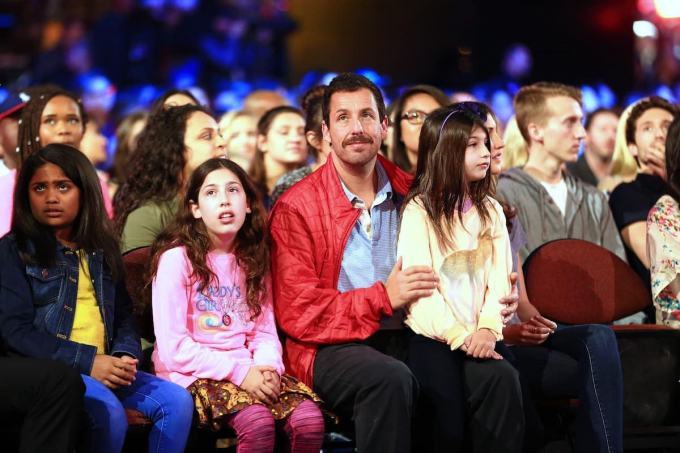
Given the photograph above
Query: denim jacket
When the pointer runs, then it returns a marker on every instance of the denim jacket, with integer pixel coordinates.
(37, 308)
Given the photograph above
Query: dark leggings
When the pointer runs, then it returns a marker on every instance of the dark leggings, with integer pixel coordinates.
(457, 391)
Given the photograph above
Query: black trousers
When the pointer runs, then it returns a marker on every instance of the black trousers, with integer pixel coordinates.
(46, 397)
(458, 392)
(363, 381)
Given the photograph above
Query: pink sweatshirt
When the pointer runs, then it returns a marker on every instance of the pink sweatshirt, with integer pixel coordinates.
(209, 335)
(7, 183)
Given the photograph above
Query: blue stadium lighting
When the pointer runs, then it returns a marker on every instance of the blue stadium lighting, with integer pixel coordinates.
(665, 92)
(607, 96)
(7, 20)
(591, 100)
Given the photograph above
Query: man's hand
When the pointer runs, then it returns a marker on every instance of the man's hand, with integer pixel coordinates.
(254, 383)
(511, 301)
(410, 284)
(112, 371)
(656, 160)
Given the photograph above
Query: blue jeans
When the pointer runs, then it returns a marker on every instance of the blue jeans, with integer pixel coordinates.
(583, 362)
(169, 406)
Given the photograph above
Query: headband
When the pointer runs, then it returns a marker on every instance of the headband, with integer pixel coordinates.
(463, 107)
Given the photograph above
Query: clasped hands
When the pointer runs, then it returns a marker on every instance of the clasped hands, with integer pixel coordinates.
(264, 383)
(114, 372)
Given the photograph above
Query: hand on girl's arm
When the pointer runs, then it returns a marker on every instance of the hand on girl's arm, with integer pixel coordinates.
(481, 344)
(410, 284)
(256, 384)
(112, 371)
(511, 301)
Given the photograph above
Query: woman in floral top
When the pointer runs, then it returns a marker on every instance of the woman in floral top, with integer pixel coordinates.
(663, 237)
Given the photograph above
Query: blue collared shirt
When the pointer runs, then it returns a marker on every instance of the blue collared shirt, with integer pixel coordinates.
(371, 250)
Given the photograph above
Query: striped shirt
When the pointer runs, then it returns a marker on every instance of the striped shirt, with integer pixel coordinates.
(371, 250)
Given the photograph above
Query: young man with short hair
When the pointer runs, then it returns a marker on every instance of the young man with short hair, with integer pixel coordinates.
(551, 203)
(630, 202)
(595, 163)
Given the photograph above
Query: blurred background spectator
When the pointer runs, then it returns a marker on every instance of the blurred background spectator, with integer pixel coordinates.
(252, 55)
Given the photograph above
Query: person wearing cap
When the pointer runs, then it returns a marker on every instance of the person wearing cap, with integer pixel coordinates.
(50, 115)
(10, 111)
(10, 117)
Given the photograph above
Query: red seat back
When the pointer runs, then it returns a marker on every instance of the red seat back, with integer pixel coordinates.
(577, 282)
(136, 261)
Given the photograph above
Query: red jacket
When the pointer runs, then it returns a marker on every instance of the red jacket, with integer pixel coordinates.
(310, 225)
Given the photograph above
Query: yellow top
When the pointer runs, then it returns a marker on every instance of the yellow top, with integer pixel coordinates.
(88, 325)
(473, 274)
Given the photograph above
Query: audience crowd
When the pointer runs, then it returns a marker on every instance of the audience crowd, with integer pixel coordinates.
(347, 258)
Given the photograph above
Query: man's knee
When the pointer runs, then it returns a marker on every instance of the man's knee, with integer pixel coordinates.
(392, 379)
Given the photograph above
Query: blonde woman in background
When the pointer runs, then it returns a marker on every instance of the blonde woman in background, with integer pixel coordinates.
(624, 167)
(239, 130)
(515, 153)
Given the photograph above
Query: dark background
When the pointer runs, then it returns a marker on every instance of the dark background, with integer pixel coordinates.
(576, 41)
(452, 43)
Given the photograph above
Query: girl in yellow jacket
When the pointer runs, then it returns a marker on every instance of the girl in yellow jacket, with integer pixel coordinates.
(450, 223)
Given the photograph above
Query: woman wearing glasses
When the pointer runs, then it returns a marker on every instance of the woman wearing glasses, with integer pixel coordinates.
(410, 110)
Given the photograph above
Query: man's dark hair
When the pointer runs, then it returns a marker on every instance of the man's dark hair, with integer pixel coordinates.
(591, 117)
(350, 82)
(641, 107)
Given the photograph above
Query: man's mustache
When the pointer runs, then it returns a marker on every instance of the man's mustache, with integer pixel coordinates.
(357, 139)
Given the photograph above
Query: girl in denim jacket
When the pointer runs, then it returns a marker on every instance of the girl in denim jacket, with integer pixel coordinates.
(64, 298)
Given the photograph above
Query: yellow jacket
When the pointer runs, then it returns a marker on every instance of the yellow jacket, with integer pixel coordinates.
(474, 273)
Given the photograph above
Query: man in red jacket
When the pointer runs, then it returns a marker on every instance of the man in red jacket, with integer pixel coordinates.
(339, 288)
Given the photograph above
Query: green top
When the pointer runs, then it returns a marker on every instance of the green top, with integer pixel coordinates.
(146, 223)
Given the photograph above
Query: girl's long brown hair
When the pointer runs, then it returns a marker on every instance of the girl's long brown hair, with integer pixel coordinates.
(509, 210)
(251, 246)
(439, 184)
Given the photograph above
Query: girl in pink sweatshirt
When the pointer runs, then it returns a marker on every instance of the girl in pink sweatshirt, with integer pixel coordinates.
(213, 316)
